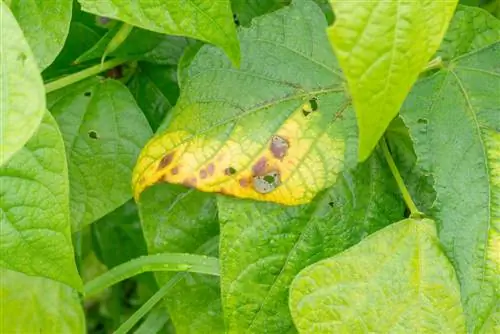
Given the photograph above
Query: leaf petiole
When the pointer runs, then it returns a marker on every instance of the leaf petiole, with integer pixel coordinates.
(82, 75)
(414, 212)
(435, 63)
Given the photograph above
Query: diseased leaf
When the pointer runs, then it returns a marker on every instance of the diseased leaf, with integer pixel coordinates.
(180, 220)
(156, 91)
(209, 21)
(140, 45)
(382, 47)
(103, 130)
(464, 159)
(263, 245)
(22, 102)
(35, 236)
(257, 121)
(397, 280)
(32, 304)
(470, 29)
(45, 25)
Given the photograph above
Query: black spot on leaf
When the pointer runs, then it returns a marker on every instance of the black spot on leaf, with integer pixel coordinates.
(93, 134)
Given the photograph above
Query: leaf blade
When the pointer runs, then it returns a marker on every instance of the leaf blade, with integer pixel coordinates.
(374, 42)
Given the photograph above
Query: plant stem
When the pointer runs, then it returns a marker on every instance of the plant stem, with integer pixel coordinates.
(147, 306)
(399, 180)
(158, 262)
(79, 76)
(434, 64)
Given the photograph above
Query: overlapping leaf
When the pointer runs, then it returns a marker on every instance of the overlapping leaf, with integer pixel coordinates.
(181, 220)
(396, 281)
(45, 25)
(22, 102)
(35, 236)
(103, 130)
(264, 131)
(382, 46)
(210, 21)
(32, 304)
(454, 120)
(263, 245)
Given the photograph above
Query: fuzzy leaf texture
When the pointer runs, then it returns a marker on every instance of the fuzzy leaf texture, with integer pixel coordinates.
(33, 304)
(104, 130)
(382, 46)
(209, 21)
(263, 245)
(45, 25)
(251, 132)
(22, 102)
(464, 160)
(397, 280)
(35, 236)
(177, 219)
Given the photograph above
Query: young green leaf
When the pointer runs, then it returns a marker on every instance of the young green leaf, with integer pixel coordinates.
(246, 10)
(471, 29)
(32, 304)
(454, 121)
(35, 236)
(263, 245)
(252, 121)
(45, 25)
(210, 21)
(382, 47)
(397, 280)
(22, 102)
(176, 219)
(103, 129)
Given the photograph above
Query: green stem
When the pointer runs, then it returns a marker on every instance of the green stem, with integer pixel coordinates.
(434, 64)
(158, 262)
(399, 180)
(147, 306)
(82, 75)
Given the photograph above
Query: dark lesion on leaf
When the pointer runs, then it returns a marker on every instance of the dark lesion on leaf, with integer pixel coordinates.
(93, 134)
(311, 107)
(165, 161)
(259, 168)
(203, 173)
(87, 94)
(211, 169)
(190, 182)
(229, 171)
(279, 147)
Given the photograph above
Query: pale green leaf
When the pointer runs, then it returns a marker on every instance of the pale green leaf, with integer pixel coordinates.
(232, 128)
(470, 29)
(263, 246)
(103, 130)
(397, 280)
(45, 25)
(209, 21)
(176, 219)
(382, 47)
(22, 98)
(454, 121)
(32, 304)
(35, 233)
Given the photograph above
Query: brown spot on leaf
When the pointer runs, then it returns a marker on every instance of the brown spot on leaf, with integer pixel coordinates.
(279, 147)
(141, 180)
(175, 170)
(203, 174)
(211, 169)
(165, 161)
(191, 182)
(229, 171)
(244, 183)
(260, 166)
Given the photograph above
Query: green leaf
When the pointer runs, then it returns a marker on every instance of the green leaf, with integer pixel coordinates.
(382, 47)
(34, 211)
(117, 237)
(396, 281)
(22, 102)
(103, 130)
(471, 29)
(263, 245)
(255, 120)
(454, 121)
(246, 10)
(156, 91)
(45, 25)
(176, 219)
(140, 45)
(209, 21)
(38, 305)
